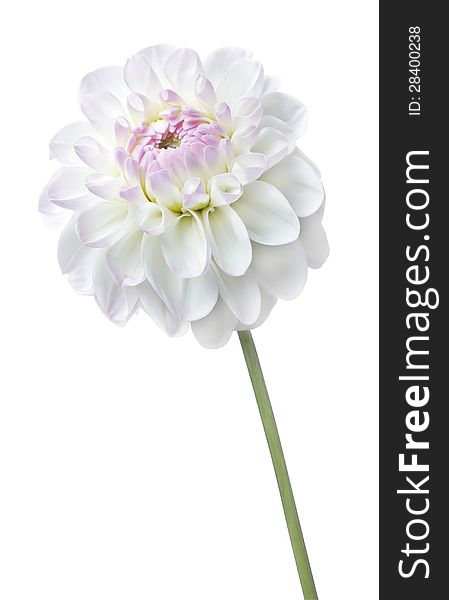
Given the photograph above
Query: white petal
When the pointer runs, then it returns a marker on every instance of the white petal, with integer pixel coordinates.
(156, 309)
(81, 277)
(243, 140)
(182, 69)
(53, 215)
(104, 186)
(68, 189)
(102, 224)
(76, 259)
(157, 57)
(95, 155)
(125, 261)
(271, 143)
(70, 247)
(267, 304)
(106, 79)
(228, 239)
(241, 294)
(117, 303)
(153, 219)
(268, 216)
(187, 299)
(247, 112)
(297, 152)
(299, 183)
(288, 109)
(243, 78)
(61, 145)
(280, 270)
(224, 189)
(102, 109)
(314, 239)
(137, 74)
(214, 330)
(275, 123)
(219, 62)
(249, 167)
(270, 84)
(185, 247)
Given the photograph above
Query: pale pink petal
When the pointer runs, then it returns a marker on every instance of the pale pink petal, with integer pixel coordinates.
(205, 93)
(164, 190)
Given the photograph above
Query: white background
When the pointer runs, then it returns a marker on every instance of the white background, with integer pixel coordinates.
(134, 466)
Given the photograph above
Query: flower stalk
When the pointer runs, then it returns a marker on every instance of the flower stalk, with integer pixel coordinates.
(280, 467)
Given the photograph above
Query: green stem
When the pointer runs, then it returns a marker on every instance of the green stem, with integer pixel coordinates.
(280, 468)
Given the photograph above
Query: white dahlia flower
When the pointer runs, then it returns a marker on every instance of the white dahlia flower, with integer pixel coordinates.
(186, 194)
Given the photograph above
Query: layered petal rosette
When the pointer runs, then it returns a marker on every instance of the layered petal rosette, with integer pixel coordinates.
(185, 194)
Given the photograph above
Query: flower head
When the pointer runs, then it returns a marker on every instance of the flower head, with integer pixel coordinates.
(185, 193)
